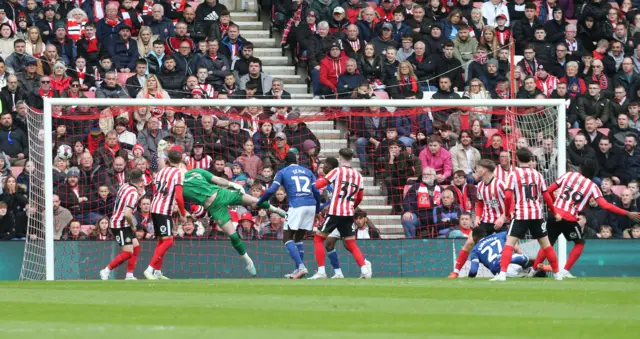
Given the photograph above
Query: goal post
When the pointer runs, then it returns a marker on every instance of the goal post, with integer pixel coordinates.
(40, 254)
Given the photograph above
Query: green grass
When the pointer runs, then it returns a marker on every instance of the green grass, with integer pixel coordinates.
(377, 308)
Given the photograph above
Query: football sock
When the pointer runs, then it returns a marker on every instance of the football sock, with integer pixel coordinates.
(333, 258)
(318, 247)
(300, 246)
(353, 248)
(539, 259)
(293, 252)
(574, 255)
(158, 254)
(119, 259)
(505, 260)
(133, 260)
(237, 244)
(462, 258)
(553, 259)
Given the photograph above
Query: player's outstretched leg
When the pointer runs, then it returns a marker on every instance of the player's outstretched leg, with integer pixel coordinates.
(131, 263)
(318, 247)
(365, 266)
(330, 246)
(154, 271)
(125, 255)
(462, 257)
(248, 200)
(238, 245)
(574, 255)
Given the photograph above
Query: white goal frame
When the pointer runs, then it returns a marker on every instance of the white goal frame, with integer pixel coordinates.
(559, 104)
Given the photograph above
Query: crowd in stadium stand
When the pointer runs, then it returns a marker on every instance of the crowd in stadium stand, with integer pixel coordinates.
(586, 52)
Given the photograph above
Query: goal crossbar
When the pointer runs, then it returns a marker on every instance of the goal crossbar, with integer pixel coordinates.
(559, 104)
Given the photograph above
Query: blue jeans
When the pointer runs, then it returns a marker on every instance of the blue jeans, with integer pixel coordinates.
(406, 141)
(411, 226)
(361, 150)
(315, 81)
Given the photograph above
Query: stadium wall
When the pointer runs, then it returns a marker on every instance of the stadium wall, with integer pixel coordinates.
(392, 258)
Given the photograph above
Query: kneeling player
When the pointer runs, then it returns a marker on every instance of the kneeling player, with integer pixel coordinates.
(122, 225)
(488, 252)
(489, 209)
(575, 192)
(205, 189)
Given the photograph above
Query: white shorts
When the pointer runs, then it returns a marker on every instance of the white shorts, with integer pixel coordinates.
(300, 218)
(335, 234)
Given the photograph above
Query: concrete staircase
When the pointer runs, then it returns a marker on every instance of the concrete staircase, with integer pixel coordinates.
(331, 138)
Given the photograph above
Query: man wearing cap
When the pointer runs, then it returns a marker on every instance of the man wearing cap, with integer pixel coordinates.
(491, 10)
(545, 82)
(75, 198)
(46, 25)
(339, 22)
(384, 40)
(305, 31)
(64, 45)
(324, 8)
(124, 52)
(524, 30)
(17, 61)
(435, 40)
(331, 68)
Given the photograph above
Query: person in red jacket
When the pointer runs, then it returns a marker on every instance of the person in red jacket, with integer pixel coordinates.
(331, 68)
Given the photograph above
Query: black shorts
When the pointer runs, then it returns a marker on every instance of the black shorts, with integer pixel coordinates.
(571, 230)
(489, 227)
(123, 236)
(344, 225)
(162, 225)
(537, 228)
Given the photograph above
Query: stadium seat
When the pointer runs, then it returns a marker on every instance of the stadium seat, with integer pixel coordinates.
(574, 131)
(617, 189)
(16, 170)
(381, 95)
(86, 229)
(89, 94)
(427, 95)
(604, 131)
(477, 4)
(489, 132)
(572, 21)
(517, 59)
(194, 4)
(122, 77)
(372, 4)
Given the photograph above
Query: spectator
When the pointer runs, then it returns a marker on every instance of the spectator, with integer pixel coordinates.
(85, 74)
(233, 140)
(621, 130)
(74, 232)
(60, 81)
(108, 28)
(492, 9)
(437, 158)
(126, 138)
(578, 151)
(75, 197)
(13, 141)
(240, 65)
(609, 159)
(350, 80)
(124, 51)
(353, 45)
(151, 136)
(35, 97)
(251, 163)
(152, 89)
(102, 202)
(364, 229)
(529, 90)
(372, 135)
(219, 168)
(89, 175)
(209, 12)
(444, 92)
(273, 229)
(217, 64)
(160, 26)
(627, 78)
(246, 227)
(11, 94)
(405, 84)
(494, 149)
(370, 67)
(139, 80)
(478, 137)
(477, 68)
(445, 215)
(297, 132)
(398, 167)
(18, 59)
(595, 105)
(547, 157)
(170, 79)
(110, 87)
(465, 46)
(61, 217)
(619, 104)
(182, 136)
(630, 160)
(465, 194)
(384, 39)
(257, 77)
(418, 204)
(619, 223)
(464, 156)
(524, 29)
(101, 230)
(231, 44)
(155, 58)
(331, 67)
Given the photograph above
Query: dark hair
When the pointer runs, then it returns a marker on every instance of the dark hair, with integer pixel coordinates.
(524, 155)
(530, 5)
(606, 138)
(479, 232)
(588, 168)
(459, 173)
(225, 12)
(247, 45)
(448, 43)
(346, 153)
(487, 164)
(467, 131)
(18, 41)
(434, 138)
(332, 162)
(290, 158)
(631, 135)
(254, 60)
(135, 176)
(174, 156)
(218, 158)
(359, 214)
(159, 42)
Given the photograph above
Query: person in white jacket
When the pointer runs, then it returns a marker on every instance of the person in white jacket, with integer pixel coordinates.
(491, 9)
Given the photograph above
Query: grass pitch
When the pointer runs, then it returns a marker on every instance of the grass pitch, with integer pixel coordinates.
(377, 308)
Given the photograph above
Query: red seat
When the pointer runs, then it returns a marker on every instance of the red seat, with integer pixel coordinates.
(86, 229)
(194, 4)
(489, 132)
(477, 4)
(604, 131)
(122, 77)
(574, 131)
(617, 189)
(381, 95)
(372, 4)
(89, 94)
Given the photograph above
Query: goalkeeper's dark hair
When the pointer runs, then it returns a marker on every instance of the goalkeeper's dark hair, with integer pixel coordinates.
(524, 155)
(135, 176)
(588, 168)
(174, 156)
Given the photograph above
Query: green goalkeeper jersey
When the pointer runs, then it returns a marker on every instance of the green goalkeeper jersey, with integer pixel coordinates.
(198, 186)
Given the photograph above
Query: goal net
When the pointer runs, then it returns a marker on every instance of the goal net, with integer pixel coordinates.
(81, 149)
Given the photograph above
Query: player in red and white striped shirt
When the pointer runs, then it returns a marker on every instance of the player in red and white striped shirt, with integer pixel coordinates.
(198, 159)
(528, 185)
(504, 166)
(169, 182)
(575, 192)
(123, 225)
(348, 190)
(490, 209)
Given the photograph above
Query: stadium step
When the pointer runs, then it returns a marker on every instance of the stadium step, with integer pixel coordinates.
(277, 71)
(302, 96)
(290, 79)
(297, 89)
(267, 52)
(331, 134)
(274, 61)
(244, 16)
(249, 26)
(264, 42)
(255, 34)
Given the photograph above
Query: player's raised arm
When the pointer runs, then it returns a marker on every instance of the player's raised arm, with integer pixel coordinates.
(475, 264)
(602, 202)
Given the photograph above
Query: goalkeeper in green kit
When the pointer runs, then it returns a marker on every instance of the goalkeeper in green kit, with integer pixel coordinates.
(207, 190)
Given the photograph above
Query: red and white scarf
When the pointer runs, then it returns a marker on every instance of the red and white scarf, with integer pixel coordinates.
(527, 66)
(92, 44)
(463, 197)
(81, 74)
(127, 19)
(120, 177)
(572, 46)
(424, 199)
(602, 81)
(98, 10)
(548, 85)
(146, 8)
(355, 45)
(503, 36)
(75, 29)
(208, 90)
(46, 95)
